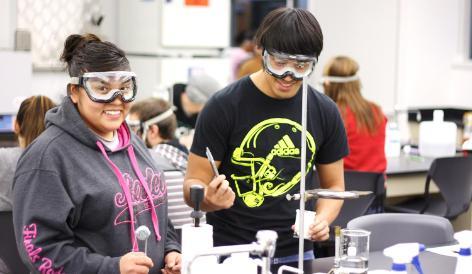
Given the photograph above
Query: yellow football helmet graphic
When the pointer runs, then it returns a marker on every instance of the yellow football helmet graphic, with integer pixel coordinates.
(264, 163)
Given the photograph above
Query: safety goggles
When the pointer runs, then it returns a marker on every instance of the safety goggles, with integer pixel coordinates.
(134, 125)
(104, 87)
(281, 65)
(139, 127)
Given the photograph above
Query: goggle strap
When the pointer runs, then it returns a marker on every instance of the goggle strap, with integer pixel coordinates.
(341, 79)
(108, 73)
(74, 80)
(132, 123)
(161, 117)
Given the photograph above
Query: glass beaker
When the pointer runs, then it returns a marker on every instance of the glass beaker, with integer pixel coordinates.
(354, 251)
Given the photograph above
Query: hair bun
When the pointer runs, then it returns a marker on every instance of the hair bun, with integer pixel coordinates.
(90, 37)
(74, 42)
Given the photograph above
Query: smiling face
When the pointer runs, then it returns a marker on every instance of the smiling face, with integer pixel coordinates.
(276, 88)
(101, 118)
(282, 88)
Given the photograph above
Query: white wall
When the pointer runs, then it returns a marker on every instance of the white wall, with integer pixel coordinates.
(52, 84)
(155, 74)
(15, 76)
(365, 30)
(108, 27)
(411, 53)
(7, 23)
(430, 70)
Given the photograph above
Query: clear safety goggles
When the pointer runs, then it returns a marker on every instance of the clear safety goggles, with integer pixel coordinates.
(104, 87)
(281, 65)
(134, 125)
(139, 127)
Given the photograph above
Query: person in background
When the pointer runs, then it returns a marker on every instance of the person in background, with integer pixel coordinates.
(29, 124)
(154, 120)
(244, 51)
(253, 128)
(364, 120)
(190, 98)
(87, 184)
(251, 65)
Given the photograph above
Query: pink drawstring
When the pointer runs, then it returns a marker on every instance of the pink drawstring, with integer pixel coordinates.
(134, 163)
(127, 193)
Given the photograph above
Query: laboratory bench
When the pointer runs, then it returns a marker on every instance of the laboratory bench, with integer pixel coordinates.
(431, 263)
(406, 176)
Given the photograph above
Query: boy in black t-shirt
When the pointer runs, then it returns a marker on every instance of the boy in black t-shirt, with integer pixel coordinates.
(253, 128)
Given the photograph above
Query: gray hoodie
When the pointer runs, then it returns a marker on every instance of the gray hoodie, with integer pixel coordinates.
(72, 195)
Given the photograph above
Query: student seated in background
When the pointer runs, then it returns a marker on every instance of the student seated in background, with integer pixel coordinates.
(29, 124)
(191, 97)
(154, 121)
(84, 187)
(364, 120)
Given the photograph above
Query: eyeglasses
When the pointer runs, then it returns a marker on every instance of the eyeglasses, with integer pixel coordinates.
(281, 65)
(104, 87)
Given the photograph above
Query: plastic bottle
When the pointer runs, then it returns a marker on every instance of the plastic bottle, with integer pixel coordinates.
(467, 121)
(392, 140)
(464, 261)
(401, 116)
(403, 254)
(437, 138)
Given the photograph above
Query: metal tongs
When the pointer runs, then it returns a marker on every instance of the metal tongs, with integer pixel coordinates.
(320, 193)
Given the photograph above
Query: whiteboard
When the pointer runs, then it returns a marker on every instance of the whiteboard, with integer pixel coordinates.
(190, 26)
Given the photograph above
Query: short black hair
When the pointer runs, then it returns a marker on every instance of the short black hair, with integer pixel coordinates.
(290, 30)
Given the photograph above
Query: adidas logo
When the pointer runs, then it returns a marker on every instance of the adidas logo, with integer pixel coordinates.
(285, 147)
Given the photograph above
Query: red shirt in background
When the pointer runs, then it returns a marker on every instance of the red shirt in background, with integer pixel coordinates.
(366, 151)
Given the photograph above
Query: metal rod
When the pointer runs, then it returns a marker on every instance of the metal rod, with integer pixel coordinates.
(265, 247)
(252, 248)
(301, 239)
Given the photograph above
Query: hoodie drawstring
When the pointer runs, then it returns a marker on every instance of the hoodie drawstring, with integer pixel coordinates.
(134, 163)
(126, 191)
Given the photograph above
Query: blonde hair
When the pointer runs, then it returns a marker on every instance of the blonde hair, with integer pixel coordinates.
(30, 117)
(348, 94)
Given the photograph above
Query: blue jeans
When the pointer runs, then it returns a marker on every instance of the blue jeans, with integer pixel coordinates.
(308, 255)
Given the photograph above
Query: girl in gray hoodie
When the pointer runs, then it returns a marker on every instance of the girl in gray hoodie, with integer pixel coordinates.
(86, 185)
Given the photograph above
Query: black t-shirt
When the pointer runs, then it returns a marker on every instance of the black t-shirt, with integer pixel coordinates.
(258, 141)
